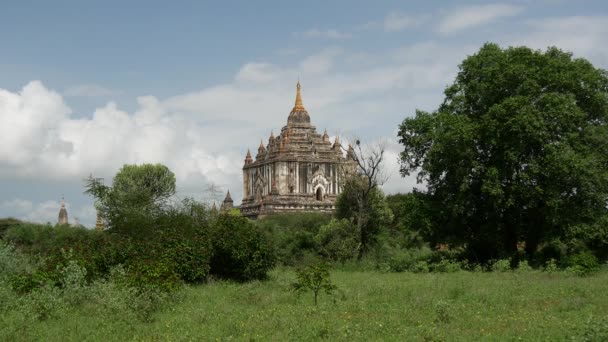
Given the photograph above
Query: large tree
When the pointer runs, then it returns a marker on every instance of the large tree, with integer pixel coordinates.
(517, 151)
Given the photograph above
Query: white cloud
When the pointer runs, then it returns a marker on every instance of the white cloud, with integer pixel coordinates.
(329, 33)
(472, 16)
(583, 35)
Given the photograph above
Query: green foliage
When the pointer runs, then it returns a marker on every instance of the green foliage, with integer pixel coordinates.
(314, 278)
(445, 266)
(339, 240)
(515, 153)
(138, 195)
(366, 208)
(412, 221)
(551, 266)
(6, 223)
(524, 266)
(442, 310)
(596, 330)
(582, 264)
(241, 250)
(294, 235)
(502, 265)
(413, 260)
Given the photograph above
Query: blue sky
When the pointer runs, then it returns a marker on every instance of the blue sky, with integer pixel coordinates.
(86, 86)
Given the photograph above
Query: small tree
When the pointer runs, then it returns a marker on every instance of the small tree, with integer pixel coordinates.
(139, 193)
(361, 198)
(314, 278)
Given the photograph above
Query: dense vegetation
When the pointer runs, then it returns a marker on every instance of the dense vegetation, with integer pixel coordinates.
(516, 155)
(516, 172)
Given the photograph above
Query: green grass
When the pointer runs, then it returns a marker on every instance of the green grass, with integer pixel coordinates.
(369, 306)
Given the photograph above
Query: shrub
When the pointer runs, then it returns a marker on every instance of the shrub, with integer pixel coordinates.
(315, 278)
(502, 265)
(524, 266)
(551, 266)
(421, 266)
(294, 235)
(405, 260)
(582, 264)
(339, 240)
(241, 251)
(12, 262)
(445, 265)
(442, 311)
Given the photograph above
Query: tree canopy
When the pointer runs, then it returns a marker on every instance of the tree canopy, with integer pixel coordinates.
(138, 193)
(517, 152)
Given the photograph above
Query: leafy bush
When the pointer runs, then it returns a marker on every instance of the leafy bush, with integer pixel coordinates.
(582, 264)
(313, 278)
(442, 311)
(339, 240)
(551, 266)
(524, 266)
(294, 235)
(421, 266)
(241, 250)
(502, 265)
(408, 260)
(445, 266)
(6, 223)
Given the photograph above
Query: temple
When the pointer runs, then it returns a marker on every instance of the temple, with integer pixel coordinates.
(63, 213)
(298, 170)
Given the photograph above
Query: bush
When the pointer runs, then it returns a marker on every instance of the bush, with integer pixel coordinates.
(445, 266)
(294, 235)
(6, 223)
(582, 264)
(409, 260)
(339, 240)
(443, 311)
(524, 266)
(551, 266)
(420, 266)
(241, 250)
(502, 265)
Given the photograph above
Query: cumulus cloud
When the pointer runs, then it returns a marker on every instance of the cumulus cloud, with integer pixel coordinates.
(39, 139)
(472, 16)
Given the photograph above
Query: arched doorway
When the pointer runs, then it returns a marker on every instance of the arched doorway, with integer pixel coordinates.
(319, 194)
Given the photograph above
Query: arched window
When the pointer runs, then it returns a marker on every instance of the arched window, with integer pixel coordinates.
(319, 194)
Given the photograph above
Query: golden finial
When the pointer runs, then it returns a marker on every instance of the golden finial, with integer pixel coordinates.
(299, 107)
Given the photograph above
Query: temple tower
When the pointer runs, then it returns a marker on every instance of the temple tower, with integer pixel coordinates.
(298, 170)
(63, 213)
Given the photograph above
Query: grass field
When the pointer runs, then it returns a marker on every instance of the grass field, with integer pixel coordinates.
(369, 306)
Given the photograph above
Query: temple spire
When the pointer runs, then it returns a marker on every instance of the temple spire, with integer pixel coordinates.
(299, 107)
